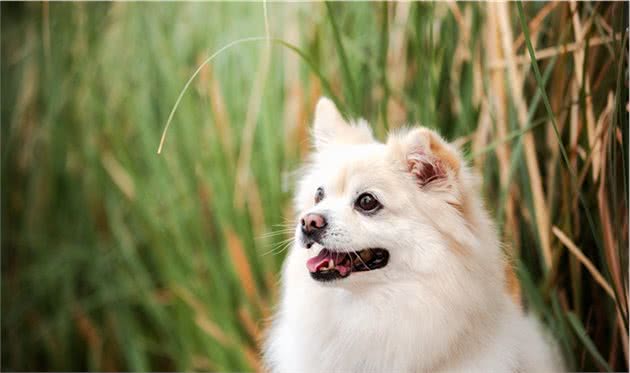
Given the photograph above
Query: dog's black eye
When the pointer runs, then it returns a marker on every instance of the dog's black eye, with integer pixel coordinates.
(367, 203)
(319, 194)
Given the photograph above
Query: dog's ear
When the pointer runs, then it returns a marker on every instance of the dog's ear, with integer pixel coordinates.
(431, 160)
(330, 128)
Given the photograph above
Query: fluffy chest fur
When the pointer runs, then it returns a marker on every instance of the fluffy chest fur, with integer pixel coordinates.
(324, 329)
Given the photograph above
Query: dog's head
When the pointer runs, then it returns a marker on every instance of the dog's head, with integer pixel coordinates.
(370, 212)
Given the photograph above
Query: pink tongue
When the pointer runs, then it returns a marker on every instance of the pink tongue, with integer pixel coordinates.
(319, 261)
(322, 260)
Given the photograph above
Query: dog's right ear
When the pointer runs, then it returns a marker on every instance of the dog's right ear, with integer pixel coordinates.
(432, 161)
(330, 128)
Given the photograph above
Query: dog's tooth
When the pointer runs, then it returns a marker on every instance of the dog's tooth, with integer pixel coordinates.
(331, 263)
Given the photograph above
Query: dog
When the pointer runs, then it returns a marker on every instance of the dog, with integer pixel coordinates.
(396, 265)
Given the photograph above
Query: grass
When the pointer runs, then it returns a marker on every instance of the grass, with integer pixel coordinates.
(116, 258)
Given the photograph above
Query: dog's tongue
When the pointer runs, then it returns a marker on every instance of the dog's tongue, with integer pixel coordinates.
(319, 261)
(324, 260)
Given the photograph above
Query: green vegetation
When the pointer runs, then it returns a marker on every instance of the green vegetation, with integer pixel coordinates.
(116, 258)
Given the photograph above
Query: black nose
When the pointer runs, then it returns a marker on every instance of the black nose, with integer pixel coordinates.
(312, 224)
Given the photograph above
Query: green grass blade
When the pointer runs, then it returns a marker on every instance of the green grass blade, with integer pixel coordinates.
(575, 322)
(350, 87)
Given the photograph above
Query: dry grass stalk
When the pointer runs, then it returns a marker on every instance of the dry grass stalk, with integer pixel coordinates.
(610, 248)
(583, 81)
(252, 329)
(46, 30)
(294, 98)
(459, 18)
(202, 316)
(221, 116)
(574, 132)
(478, 75)
(241, 265)
(481, 135)
(558, 100)
(396, 63)
(243, 172)
(89, 332)
(202, 363)
(534, 24)
(624, 335)
(255, 207)
(575, 270)
(497, 105)
(273, 283)
(550, 52)
(119, 175)
(531, 159)
(24, 119)
(603, 124)
(205, 194)
(253, 359)
(213, 330)
(461, 55)
(566, 241)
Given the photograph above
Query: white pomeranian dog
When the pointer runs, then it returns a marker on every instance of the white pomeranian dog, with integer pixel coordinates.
(396, 266)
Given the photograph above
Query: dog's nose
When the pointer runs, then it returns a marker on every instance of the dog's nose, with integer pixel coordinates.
(312, 223)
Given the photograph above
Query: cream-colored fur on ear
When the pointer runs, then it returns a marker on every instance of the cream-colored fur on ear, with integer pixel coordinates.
(421, 141)
(435, 165)
(329, 127)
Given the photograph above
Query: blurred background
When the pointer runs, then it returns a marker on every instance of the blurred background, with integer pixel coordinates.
(117, 258)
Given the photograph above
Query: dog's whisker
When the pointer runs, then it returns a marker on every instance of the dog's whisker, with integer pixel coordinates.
(279, 247)
(288, 239)
(277, 250)
(276, 233)
(288, 224)
(361, 259)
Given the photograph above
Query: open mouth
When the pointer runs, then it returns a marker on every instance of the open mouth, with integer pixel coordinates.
(332, 265)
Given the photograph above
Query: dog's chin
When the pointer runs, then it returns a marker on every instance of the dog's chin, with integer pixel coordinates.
(340, 266)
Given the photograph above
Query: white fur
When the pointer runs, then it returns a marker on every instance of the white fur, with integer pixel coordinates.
(441, 303)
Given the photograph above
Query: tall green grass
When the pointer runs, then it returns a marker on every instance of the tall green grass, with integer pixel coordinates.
(116, 258)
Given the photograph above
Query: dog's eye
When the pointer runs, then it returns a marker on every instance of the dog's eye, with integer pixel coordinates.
(319, 194)
(367, 203)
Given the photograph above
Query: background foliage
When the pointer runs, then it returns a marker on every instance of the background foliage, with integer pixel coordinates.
(115, 258)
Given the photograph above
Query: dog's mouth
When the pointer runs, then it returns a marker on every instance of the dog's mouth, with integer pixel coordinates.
(332, 265)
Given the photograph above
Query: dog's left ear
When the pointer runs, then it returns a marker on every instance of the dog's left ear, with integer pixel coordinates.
(431, 160)
(330, 128)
